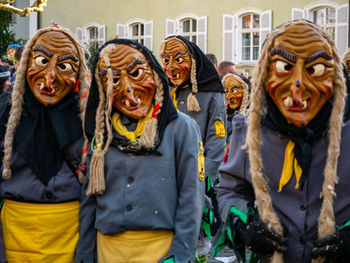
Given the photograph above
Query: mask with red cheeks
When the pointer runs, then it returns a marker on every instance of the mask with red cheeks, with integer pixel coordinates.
(233, 92)
(176, 61)
(53, 67)
(301, 73)
(133, 81)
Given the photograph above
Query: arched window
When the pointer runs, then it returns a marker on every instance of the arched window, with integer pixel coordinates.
(325, 18)
(250, 27)
(92, 33)
(137, 32)
(189, 29)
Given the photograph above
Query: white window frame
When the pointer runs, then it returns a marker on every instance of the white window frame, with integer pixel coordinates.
(125, 31)
(341, 24)
(237, 41)
(173, 27)
(179, 24)
(129, 25)
(101, 33)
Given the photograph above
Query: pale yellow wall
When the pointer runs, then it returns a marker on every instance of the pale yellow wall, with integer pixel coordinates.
(77, 13)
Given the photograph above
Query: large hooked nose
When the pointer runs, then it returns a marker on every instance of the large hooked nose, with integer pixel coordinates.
(128, 90)
(50, 75)
(172, 66)
(297, 86)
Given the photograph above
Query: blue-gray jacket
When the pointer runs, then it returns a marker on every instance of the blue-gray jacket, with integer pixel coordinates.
(297, 210)
(212, 110)
(146, 192)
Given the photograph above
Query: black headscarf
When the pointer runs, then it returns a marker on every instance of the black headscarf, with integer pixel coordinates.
(207, 76)
(302, 137)
(43, 132)
(167, 113)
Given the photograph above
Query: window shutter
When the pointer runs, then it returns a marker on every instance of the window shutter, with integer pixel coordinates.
(169, 27)
(341, 29)
(80, 34)
(227, 43)
(265, 25)
(202, 33)
(101, 35)
(297, 13)
(149, 35)
(121, 31)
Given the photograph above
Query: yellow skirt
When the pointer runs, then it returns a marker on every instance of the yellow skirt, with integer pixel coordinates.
(134, 246)
(44, 233)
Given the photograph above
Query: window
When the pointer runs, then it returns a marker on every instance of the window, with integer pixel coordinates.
(325, 18)
(189, 29)
(250, 36)
(93, 36)
(138, 32)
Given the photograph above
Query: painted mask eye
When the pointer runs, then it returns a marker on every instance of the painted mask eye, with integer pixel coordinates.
(41, 61)
(179, 59)
(165, 60)
(138, 73)
(65, 67)
(316, 70)
(116, 80)
(282, 67)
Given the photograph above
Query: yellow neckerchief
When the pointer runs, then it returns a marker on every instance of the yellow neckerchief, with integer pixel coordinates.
(173, 95)
(290, 162)
(123, 131)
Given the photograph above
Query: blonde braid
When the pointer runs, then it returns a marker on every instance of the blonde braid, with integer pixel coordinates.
(192, 102)
(16, 107)
(96, 172)
(326, 220)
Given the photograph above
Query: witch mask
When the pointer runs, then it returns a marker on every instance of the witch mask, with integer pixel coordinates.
(53, 67)
(176, 61)
(233, 91)
(301, 73)
(133, 81)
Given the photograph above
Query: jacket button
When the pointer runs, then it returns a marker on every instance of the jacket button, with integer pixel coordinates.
(128, 208)
(130, 179)
(302, 240)
(49, 195)
(302, 207)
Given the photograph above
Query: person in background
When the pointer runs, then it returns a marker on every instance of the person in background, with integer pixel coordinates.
(226, 67)
(237, 91)
(5, 82)
(42, 139)
(10, 54)
(213, 60)
(16, 59)
(198, 92)
(143, 195)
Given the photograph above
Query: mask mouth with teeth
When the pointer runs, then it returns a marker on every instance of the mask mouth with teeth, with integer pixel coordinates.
(45, 90)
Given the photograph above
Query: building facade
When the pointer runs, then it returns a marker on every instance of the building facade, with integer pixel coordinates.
(232, 30)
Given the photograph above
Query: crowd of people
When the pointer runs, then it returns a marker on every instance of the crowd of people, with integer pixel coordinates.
(139, 161)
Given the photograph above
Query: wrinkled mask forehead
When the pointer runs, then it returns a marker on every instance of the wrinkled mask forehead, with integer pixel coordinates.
(133, 84)
(301, 73)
